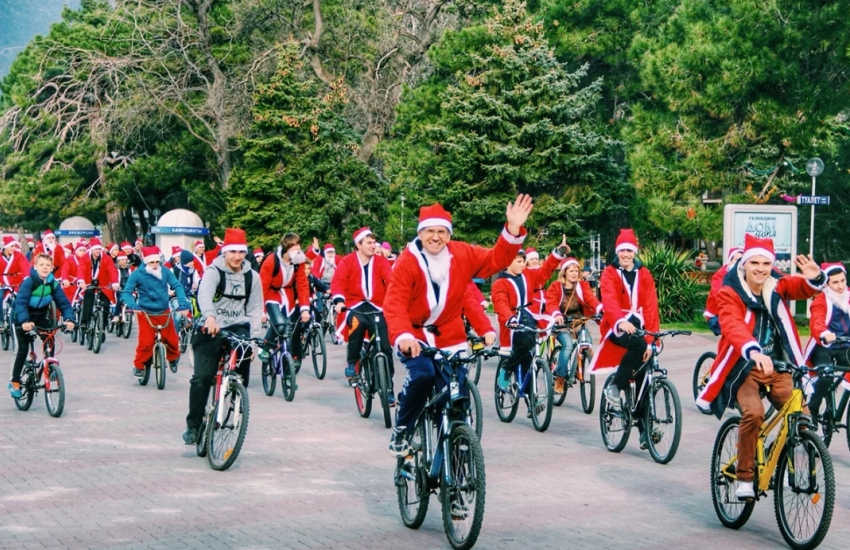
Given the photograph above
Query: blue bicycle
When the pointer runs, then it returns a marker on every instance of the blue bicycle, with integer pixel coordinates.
(534, 385)
(281, 364)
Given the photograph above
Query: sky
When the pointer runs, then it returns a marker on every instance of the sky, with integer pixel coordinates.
(22, 20)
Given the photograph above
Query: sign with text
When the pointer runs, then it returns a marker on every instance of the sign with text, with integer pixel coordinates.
(76, 232)
(180, 230)
(764, 221)
(813, 200)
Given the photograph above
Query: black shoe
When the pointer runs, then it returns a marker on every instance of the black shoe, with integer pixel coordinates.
(138, 373)
(190, 436)
(173, 365)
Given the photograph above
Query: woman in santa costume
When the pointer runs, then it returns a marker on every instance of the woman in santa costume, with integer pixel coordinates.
(101, 273)
(710, 312)
(756, 328)
(325, 265)
(424, 299)
(49, 246)
(14, 268)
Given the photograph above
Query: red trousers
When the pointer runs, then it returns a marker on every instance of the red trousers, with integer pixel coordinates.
(147, 336)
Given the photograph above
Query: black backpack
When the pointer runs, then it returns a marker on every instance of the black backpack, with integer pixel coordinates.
(248, 278)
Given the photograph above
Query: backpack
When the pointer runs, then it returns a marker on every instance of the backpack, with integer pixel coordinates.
(248, 279)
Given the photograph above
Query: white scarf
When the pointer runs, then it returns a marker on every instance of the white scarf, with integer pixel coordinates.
(155, 271)
(841, 301)
(438, 265)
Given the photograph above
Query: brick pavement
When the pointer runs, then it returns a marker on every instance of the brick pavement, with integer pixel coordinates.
(113, 473)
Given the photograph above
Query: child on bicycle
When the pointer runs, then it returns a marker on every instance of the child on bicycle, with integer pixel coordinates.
(152, 284)
(32, 309)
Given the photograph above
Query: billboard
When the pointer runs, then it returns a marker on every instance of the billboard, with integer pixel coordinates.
(764, 221)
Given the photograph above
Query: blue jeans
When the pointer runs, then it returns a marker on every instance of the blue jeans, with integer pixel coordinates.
(422, 374)
(567, 345)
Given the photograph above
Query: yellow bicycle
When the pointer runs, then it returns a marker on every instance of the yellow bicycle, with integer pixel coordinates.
(795, 465)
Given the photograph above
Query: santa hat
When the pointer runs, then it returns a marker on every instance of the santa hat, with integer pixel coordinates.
(151, 254)
(732, 251)
(259, 252)
(9, 240)
(833, 268)
(626, 240)
(531, 254)
(434, 216)
(139, 241)
(329, 247)
(47, 233)
(175, 251)
(112, 246)
(80, 244)
(95, 244)
(753, 246)
(386, 246)
(234, 240)
(567, 263)
(120, 256)
(126, 244)
(201, 243)
(361, 234)
(69, 246)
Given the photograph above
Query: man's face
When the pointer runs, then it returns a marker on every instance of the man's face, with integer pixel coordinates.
(43, 267)
(367, 246)
(533, 263)
(153, 264)
(80, 252)
(50, 240)
(96, 252)
(234, 258)
(434, 239)
(626, 257)
(838, 282)
(330, 255)
(517, 266)
(128, 250)
(123, 263)
(9, 250)
(757, 269)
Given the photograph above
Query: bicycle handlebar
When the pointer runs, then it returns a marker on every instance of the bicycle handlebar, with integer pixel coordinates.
(662, 334)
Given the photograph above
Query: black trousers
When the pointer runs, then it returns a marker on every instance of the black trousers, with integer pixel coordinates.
(824, 356)
(88, 304)
(521, 346)
(632, 361)
(358, 323)
(277, 327)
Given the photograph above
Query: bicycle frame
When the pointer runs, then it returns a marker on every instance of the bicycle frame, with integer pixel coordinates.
(47, 356)
(226, 367)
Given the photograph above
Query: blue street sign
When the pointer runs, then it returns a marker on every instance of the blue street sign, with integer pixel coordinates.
(180, 230)
(813, 200)
(77, 232)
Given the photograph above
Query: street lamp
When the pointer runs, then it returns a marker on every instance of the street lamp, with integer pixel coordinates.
(814, 168)
(402, 217)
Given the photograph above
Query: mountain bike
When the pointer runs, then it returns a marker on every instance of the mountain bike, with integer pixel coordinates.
(313, 344)
(830, 419)
(445, 455)
(183, 322)
(7, 332)
(96, 332)
(281, 364)
(158, 362)
(77, 306)
(796, 465)
(580, 358)
(533, 384)
(124, 325)
(654, 408)
(372, 373)
(44, 374)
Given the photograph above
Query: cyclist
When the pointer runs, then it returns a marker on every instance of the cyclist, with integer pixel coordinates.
(14, 267)
(757, 328)
(72, 271)
(259, 255)
(513, 303)
(285, 286)
(230, 296)
(360, 284)
(152, 285)
(710, 312)
(424, 299)
(125, 269)
(325, 266)
(131, 255)
(318, 289)
(102, 272)
(113, 251)
(49, 246)
(830, 318)
(475, 315)
(569, 296)
(32, 308)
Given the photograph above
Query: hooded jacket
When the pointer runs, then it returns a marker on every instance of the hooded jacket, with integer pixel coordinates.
(231, 311)
(35, 296)
(153, 292)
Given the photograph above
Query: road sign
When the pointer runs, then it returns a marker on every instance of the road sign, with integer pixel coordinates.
(813, 200)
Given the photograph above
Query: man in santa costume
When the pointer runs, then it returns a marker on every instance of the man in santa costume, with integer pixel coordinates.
(757, 328)
(134, 259)
(325, 265)
(14, 268)
(101, 273)
(830, 319)
(424, 300)
(710, 312)
(360, 285)
(49, 246)
(259, 255)
(72, 272)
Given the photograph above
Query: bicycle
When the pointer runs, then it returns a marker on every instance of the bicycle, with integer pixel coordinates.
(158, 361)
(313, 344)
(96, 332)
(43, 375)
(830, 419)
(534, 385)
(445, 455)
(183, 322)
(656, 400)
(225, 422)
(372, 374)
(7, 334)
(797, 466)
(580, 358)
(280, 363)
(124, 325)
(702, 373)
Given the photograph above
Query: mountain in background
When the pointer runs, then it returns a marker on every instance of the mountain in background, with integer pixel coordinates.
(22, 20)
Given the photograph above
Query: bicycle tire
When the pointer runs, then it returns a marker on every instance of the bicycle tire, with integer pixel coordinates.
(75, 332)
(89, 338)
(320, 347)
(722, 486)
(541, 412)
(287, 379)
(160, 365)
(557, 398)
(413, 494)
(236, 420)
(466, 460)
(119, 328)
(203, 435)
(5, 340)
(507, 402)
(24, 402)
(847, 425)
(128, 326)
(382, 370)
(269, 377)
(813, 446)
(110, 324)
(97, 341)
(143, 381)
(828, 425)
(701, 370)
(476, 418)
(363, 389)
(669, 404)
(474, 370)
(610, 418)
(184, 340)
(587, 384)
(55, 403)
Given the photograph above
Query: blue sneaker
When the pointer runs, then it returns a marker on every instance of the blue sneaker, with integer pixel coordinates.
(504, 380)
(15, 390)
(351, 371)
(391, 399)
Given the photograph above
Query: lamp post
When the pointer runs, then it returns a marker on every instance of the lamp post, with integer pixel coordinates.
(402, 217)
(814, 168)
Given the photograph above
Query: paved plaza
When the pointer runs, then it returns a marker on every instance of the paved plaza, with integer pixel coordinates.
(112, 472)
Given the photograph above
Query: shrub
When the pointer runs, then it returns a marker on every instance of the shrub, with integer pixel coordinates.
(680, 296)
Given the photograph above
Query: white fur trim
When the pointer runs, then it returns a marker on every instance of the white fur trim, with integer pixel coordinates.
(153, 257)
(434, 222)
(758, 252)
(627, 246)
(511, 238)
(361, 235)
(234, 248)
(532, 256)
(404, 336)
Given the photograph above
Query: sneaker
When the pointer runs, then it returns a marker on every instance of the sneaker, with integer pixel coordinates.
(612, 395)
(190, 436)
(138, 373)
(173, 365)
(504, 380)
(264, 355)
(351, 371)
(744, 490)
(391, 399)
(657, 435)
(399, 446)
(528, 414)
(15, 390)
(559, 384)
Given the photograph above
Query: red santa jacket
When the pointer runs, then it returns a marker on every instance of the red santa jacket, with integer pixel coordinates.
(473, 310)
(821, 315)
(583, 293)
(58, 257)
(411, 303)
(505, 294)
(105, 276)
(618, 304)
(716, 284)
(73, 269)
(538, 296)
(284, 294)
(14, 269)
(735, 304)
(351, 288)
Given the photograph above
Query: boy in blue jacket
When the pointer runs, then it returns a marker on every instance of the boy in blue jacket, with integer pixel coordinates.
(152, 284)
(32, 309)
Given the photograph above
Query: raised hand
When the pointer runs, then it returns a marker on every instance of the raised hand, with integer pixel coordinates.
(807, 266)
(517, 213)
(564, 248)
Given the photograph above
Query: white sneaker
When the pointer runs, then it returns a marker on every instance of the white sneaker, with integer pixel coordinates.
(744, 490)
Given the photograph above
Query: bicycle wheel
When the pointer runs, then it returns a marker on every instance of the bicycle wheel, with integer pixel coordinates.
(475, 414)
(203, 431)
(54, 390)
(226, 438)
(475, 370)
(75, 332)
(463, 497)
(411, 480)
(731, 512)
(287, 379)
(828, 426)
(319, 353)
(269, 377)
(615, 424)
(184, 340)
(558, 398)
(541, 396)
(587, 384)
(5, 338)
(663, 421)
(143, 381)
(97, 340)
(382, 371)
(507, 401)
(160, 365)
(28, 382)
(110, 324)
(128, 325)
(363, 389)
(847, 425)
(804, 495)
(701, 370)
(89, 337)
(82, 338)
(119, 328)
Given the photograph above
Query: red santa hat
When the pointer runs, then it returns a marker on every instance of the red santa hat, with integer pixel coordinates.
(95, 243)
(200, 242)
(329, 247)
(47, 233)
(234, 240)
(531, 254)
(80, 244)
(626, 240)
(111, 247)
(434, 216)
(139, 241)
(567, 262)
(833, 268)
(753, 246)
(259, 252)
(70, 247)
(151, 254)
(121, 256)
(175, 251)
(732, 251)
(9, 240)
(126, 244)
(361, 234)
